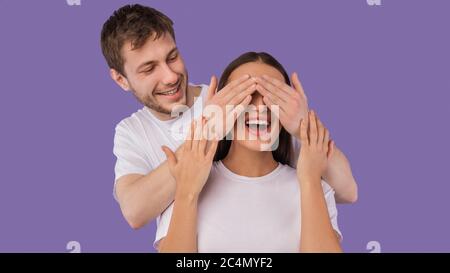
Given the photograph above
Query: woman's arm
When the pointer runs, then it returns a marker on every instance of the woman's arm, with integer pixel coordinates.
(294, 105)
(317, 233)
(182, 233)
(190, 170)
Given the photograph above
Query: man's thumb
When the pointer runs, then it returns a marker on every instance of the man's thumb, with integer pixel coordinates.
(331, 148)
(212, 87)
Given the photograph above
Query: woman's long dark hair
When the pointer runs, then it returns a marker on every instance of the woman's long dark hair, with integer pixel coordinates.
(284, 151)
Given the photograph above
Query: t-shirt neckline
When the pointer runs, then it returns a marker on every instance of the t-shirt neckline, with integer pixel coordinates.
(268, 177)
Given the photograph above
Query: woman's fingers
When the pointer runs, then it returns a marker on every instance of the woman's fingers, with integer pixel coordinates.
(190, 137)
(317, 134)
(304, 132)
(203, 137)
(320, 132)
(171, 159)
(312, 128)
(326, 140)
(197, 135)
(212, 149)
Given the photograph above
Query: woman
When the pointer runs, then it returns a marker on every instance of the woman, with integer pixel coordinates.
(250, 200)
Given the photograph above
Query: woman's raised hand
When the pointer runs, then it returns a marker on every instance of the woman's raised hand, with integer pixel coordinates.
(193, 165)
(316, 148)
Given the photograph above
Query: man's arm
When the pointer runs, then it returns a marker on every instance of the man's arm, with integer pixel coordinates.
(338, 175)
(144, 197)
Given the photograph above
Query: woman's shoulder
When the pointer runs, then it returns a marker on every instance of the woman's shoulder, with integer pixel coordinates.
(287, 168)
(288, 172)
(292, 172)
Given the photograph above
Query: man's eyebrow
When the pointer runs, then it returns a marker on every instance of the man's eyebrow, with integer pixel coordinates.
(175, 49)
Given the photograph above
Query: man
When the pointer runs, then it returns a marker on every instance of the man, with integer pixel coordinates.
(139, 46)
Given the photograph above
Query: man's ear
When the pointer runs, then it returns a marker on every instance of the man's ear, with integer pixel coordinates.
(120, 79)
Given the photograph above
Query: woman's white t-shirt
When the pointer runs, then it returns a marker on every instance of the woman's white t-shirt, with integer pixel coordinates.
(137, 146)
(250, 214)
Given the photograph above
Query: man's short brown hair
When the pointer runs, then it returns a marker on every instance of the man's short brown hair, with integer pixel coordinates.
(135, 24)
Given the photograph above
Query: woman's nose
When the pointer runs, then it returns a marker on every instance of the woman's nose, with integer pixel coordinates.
(257, 99)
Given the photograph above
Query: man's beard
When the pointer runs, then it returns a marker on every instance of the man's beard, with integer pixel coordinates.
(151, 102)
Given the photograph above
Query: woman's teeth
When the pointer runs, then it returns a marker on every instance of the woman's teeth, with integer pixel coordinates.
(257, 124)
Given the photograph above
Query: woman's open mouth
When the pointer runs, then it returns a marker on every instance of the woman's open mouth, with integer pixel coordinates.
(258, 127)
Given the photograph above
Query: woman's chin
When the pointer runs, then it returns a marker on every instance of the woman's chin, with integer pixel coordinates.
(256, 145)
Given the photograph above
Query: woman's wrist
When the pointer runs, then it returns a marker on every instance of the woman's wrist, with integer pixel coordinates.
(309, 179)
(186, 195)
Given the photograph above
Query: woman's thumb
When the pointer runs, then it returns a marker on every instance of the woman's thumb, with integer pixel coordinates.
(170, 155)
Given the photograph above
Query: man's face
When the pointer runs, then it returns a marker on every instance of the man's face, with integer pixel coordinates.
(156, 74)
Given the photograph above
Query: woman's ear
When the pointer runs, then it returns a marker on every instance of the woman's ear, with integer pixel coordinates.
(120, 79)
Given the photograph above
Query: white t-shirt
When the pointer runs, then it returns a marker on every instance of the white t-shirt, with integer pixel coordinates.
(250, 214)
(139, 137)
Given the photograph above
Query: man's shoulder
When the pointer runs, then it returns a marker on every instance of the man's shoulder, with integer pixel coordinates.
(134, 121)
(200, 90)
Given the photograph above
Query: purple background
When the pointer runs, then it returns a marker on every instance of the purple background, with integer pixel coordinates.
(377, 76)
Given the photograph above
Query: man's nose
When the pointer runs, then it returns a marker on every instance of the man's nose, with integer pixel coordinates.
(170, 77)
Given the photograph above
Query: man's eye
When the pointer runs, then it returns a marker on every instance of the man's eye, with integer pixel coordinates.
(148, 70)
(173, 58)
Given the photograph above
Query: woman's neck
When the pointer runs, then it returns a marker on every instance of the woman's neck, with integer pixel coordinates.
(245, 162)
